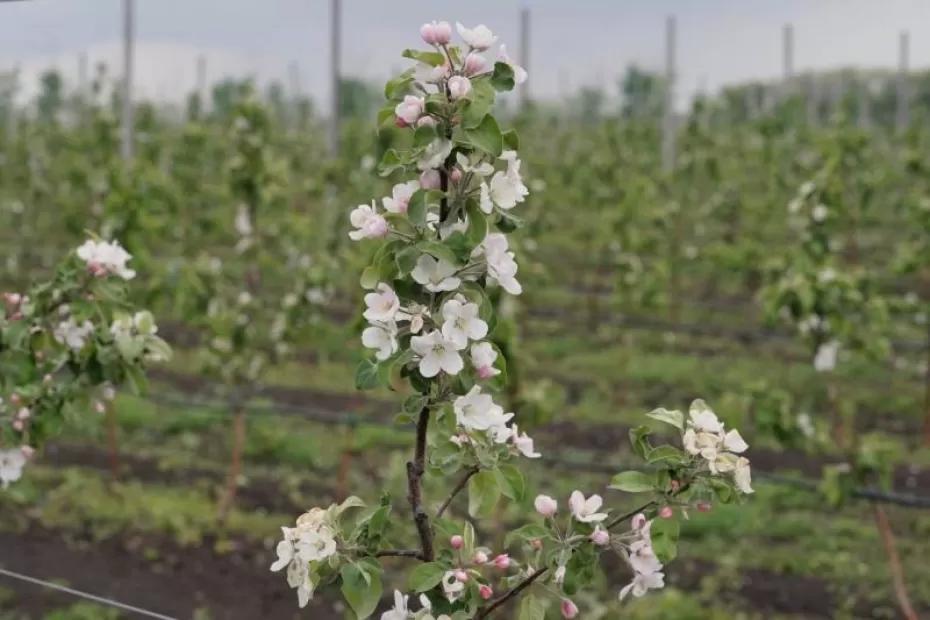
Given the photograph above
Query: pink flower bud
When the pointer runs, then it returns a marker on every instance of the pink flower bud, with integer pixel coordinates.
(545, 505)
(400, 123)
(23, 414)
(536, 543)
(485, 372)
(502, 561)
(430, 179)
(428, 32)
(456, 542)
(99, 407)
(461, 576)
(28, 451)
(15, 398)
(480, 557)
(16, 316)
(666, 512)
(474, 64)
(674, 485)
(600, 537)
(455, 175)
(443, 33)
(485, 591)
(426, 121)
(459, 86)
(569, 609)
(704, 506)
(17, 425)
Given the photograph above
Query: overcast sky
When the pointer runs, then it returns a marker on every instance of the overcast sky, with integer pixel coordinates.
(574, 42)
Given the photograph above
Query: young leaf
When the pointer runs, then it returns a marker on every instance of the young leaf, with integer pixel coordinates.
(483, 493)
(632, 482)
(486, 136)
(664, 535)
(502, 78)
(675, 418)
(361, 588)
(425, 576)
(366, 375)
(511, 482)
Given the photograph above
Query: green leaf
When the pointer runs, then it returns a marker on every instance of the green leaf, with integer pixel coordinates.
(426, 576)
(468, 540)
(423, 135)
(532, 608)
(633, 482)
(477, 224)
(480, 100)
(639, 441)
(390, 162)
(530, 531)
(434, 59)
(664, 536)
(361, 587)
(406, 260)
(511, 140)
(675, 418)
(502, 78)
(370, 277)
(398, 87)
(483, 493)
(439, 250)
(666, 454)
(511, 482)
(486, 136)
(366, 375)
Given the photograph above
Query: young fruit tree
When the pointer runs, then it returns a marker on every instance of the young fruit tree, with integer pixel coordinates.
(66, 345)
(443, 245)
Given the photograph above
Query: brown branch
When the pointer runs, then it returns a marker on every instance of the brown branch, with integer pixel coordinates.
(415, 469)
(399, 553)
(511, 593)
(471, 471)
(894, 562)
(527, 582)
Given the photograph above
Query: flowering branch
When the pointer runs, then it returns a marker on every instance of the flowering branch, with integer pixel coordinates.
(459, 486)
(415, 469)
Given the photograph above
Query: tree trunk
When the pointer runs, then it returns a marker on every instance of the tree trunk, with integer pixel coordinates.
(235, 466)
(894, 562)
(112, 439)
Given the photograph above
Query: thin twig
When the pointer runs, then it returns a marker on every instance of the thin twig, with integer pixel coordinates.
(894, 562)
(471, 471)
(415, 469)
(399, 553)
(514, 591)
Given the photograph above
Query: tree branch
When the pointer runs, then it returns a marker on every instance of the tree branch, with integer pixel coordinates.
(399, 553)
(527, 582)
(471, 471)
(415, 469)
(511, 593)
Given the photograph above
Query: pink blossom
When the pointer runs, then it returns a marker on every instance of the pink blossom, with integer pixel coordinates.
(485, 591)
(569, 609)
(430, 179)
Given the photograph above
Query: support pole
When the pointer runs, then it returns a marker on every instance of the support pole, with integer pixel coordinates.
(201, 85)
(524, 58)
(127, 116)
(902, 117)
(335, 59)
(787, 41)
(668, 119)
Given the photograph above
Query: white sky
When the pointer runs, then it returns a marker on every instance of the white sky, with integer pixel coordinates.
(574, 42)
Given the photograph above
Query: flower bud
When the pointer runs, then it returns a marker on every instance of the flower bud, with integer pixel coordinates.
(474, 64)
(455, 175)
(459, 86)
(456, 542)
(426, 121)
(28, 451)
(545, 505)
(461, 576)
(600, 537)
(429, 179)
(502, 561)
(15, 398)
(666, 512)
(17, 425)
(23, 414)
(704, 506)
(443, 32)
(47, 379)
(569, 609)
(485, 372)
(480, 557)
(400, 123)
(485, 591)
(536, 543)
(674, 485)
(99, 407)
(428, 33)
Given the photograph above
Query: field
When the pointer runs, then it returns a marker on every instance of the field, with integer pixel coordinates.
(643, 288)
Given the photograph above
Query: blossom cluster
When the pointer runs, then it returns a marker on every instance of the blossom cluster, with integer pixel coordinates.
(67, 345)
(705, 436)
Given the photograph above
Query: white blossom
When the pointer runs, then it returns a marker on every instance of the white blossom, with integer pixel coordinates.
(459, 86)
(483, 356)
(481, 168)
(243, 222)
(523, 443)
(72, 334)
(502, 268)
(642, 583)
(12, 462)
(434, 154)
(436, 353)
(400, 196)
(586, 510)
(461, 322)
(382, 305)
(507, 188)
(477, 411)
(383, 337)
(825, 359)
(480, 37)
(399, 611)
(435, 274)
(702, 418)
(451, 586)
(484, 198)
(368, 223)
(110, 257)
(742, 476)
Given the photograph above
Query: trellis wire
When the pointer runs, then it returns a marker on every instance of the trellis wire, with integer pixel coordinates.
(85, 595)
(325, 416)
